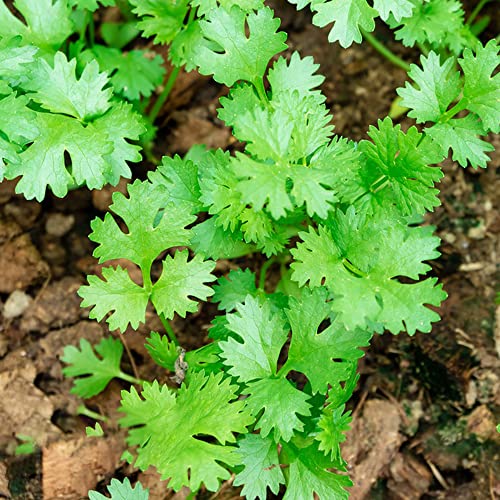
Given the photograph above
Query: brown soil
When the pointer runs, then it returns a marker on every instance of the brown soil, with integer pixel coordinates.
(425, 408)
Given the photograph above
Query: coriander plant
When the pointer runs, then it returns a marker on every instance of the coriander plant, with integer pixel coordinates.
(266, 399)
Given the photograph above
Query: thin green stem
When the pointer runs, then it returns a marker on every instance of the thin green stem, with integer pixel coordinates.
(83, 410)
(263, 273)
(423, 49)
(476, 11)
(129, 378)
(169, 85)
(168, 329)
(459, 106)
(387, 53)
(261, 91)
(91, 28)
(353, 269)
(191, 495)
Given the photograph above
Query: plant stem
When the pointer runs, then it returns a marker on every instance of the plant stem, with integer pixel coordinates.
(476, 11)
(83, 410)
(387, 53)
(129, 378)
(168, 329)
(459, 106)
(155, 110)
(91, 28)
(263, 272)
(261, 91)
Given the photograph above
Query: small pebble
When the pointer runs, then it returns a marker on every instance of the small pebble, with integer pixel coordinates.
(16, 304)
(59, 224)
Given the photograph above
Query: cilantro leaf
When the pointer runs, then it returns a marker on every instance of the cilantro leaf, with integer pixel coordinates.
(333, 424)
(398, 8)
(280, 403)
(214, 242)
(120, 123)
(232, 289)
(462, 137)
(91, 5)
(159, 18)
(122, 491)
(58, 90)
(149, 232)
(297, 74)
(262, 470)
(163, 352)
(309, 474)
(42, 164)
(205, 6)
(180, 177)
(437, 22)
(238, 57)
(133, 74)
(311, 352)
(349, 18)
(14, 57)
(438, 86)
(95, 159)
(181, 280)
(48, 22)
(117, 293)
(166, 425)
(358, 260)
(97, 372)
(401, 161)
(263, 335)
(481, 89)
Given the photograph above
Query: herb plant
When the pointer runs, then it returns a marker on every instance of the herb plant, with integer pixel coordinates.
(266, 399)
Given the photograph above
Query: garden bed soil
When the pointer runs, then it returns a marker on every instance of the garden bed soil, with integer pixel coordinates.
(425, 408)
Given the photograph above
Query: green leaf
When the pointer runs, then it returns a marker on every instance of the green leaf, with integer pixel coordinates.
(397, 170)
(437, 87)
(117, 293)
(121, 123)
(14, 58)
(163, 352)
(181, 280)
(481, 85)
(149, 232)
(133, 74)
(95, 372)
(398, 8)
(122, 491)
(297, 74)
(43, 165)
(91, 5)
(167, 425)
(58, 90)
(361, 261)
(309, 474)
(236, 55)
(232, 289)
(333, 424)
(462, 136)
(214, 242)
(437, 22)
(95, 431)
(349, 18)
(262, 468)
(96, 157)
(47, 26)
(262, 336)
(205, 6)
(323, 357)
(180, 177)
(162, 19)
(281, 404)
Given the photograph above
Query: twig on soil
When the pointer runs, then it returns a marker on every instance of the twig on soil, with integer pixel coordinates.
(437, 474)
(225, 485)
(130, 357)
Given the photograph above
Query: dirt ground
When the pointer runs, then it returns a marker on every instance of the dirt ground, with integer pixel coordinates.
(425, 408)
